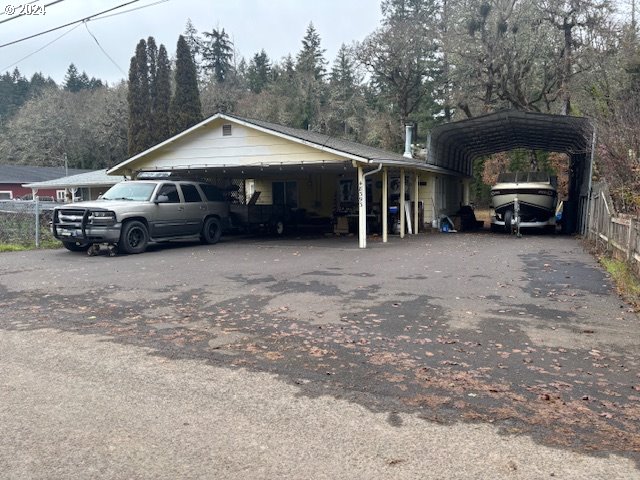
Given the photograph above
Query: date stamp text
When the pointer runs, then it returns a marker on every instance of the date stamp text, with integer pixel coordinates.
(28, 9)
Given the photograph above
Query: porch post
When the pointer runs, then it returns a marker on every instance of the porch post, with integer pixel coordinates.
(362, 209)
(416, 185)
(402, 194)
(385, 207)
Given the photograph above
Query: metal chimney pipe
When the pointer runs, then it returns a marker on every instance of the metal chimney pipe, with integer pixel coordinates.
(407, 141)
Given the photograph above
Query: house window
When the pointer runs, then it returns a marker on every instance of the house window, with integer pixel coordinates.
(226, 130)
(60, 195)
(285, 193)
(6, 195)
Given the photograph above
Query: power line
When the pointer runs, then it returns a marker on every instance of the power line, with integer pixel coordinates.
(90, 33)
(103, 50)
(68, 24)
(130, 10)
(41, 48)
(14, 17)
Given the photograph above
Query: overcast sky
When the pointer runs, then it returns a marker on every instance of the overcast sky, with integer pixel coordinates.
(275, 25)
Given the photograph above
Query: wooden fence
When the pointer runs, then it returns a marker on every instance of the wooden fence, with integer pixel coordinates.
(614, 233)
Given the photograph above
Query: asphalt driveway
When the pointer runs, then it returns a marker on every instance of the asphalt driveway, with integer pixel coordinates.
(440, 356)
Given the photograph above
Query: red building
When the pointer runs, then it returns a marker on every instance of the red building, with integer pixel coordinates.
(12, 177)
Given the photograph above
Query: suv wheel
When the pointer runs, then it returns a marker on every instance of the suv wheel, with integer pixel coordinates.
(211, 231)
(133, 238)
(76, 246)
(278, 227)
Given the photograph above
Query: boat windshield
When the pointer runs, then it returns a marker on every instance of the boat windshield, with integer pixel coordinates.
(522, 177)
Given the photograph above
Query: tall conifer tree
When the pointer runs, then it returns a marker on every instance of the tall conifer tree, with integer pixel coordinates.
(139, 132)
(185, 109)
(163, 96)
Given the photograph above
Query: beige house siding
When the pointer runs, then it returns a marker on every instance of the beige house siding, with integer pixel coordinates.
(244, 147)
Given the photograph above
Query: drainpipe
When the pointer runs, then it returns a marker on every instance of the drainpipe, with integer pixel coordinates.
(362, 204)
(407, 141)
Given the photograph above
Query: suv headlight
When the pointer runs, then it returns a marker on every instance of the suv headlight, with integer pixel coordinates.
(102, 217)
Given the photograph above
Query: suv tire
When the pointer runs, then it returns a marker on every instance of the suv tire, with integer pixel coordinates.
(133, 238)
(211, 231)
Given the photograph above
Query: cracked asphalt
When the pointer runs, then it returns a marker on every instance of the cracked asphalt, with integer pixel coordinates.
(438, 356)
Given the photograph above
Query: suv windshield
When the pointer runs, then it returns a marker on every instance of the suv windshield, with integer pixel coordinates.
(136, 191)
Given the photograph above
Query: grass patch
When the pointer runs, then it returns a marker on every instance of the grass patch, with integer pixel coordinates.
(21, 247)
(12, 247)
(627, 283)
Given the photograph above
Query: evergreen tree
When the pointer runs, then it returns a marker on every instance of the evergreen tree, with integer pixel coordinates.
(310, 59)
(193, 40)
(14, 92)
(38, 84)
(343, 77)
(185, 108)
(73, 81)
(84, 81)
(94, 83)
(259, 72)
(309, 75)
(152, 61)
(139, 133)
(163, 96)
(217, 55)
(346, 103)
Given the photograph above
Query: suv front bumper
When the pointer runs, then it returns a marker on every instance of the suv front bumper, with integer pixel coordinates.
(88, 234)
(75, 225)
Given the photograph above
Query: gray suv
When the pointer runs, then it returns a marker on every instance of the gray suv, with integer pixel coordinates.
(133, 213)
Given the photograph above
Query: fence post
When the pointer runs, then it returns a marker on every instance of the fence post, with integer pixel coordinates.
(37, 208)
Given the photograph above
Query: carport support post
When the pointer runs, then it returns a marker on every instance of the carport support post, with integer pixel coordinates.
(466, 191)
(401, 206)
(416, 185)
(362, 209)
(385, 207)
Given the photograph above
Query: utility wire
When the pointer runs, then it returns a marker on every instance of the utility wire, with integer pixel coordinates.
(68, 24)
(103, 50)
(130, 10)
(14, 17)
(41, 48)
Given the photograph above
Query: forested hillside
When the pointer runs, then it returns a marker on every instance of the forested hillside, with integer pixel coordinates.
(429, 61)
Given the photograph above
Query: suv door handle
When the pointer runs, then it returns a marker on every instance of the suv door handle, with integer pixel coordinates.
(181, 208)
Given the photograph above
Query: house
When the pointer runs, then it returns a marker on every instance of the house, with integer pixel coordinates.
(82, 186)
(13, 177)
(363, 189)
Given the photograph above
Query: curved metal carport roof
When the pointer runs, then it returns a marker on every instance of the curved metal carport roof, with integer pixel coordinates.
(455, 145)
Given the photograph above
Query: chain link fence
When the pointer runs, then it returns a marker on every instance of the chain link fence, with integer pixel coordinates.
(26, 223)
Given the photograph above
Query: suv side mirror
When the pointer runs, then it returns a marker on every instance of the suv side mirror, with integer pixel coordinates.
(162, 199)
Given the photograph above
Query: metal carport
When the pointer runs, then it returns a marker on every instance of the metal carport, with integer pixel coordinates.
(454, 146)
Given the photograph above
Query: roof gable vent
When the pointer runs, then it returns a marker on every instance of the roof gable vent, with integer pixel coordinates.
(226, 130)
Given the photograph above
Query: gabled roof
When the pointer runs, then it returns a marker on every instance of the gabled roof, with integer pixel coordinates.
(29, 173)
(96, 178)
(359, 150)
(344, 148)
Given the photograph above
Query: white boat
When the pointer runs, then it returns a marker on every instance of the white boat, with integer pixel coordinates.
(524, 199)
